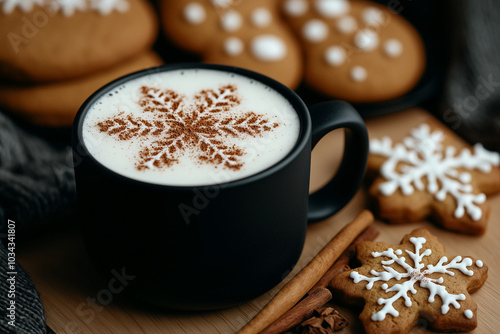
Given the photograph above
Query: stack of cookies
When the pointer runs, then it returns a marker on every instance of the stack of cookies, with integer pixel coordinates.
(54, 54)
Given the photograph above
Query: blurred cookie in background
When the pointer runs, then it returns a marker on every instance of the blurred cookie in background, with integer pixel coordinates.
(359, 51)
(248, 34)
(55, 104)
(48, 40)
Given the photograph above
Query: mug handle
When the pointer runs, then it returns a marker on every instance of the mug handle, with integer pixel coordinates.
(326, 117)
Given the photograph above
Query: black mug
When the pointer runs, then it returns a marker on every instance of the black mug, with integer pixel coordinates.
(242, 237)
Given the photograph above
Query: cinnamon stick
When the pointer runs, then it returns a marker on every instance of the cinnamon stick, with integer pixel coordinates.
(296, 315)
(299, 285)
(368, 235)
(300, 312)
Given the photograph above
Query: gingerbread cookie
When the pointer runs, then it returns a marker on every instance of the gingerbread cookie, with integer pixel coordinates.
(248, 34)
(358, 51)
(45, 40)
(432, 173)
(415, 279)
(55, 104)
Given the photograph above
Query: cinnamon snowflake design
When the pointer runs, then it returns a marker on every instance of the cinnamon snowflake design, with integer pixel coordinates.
(413, 274)
(422, 156)
(177, 125)
(67, 7)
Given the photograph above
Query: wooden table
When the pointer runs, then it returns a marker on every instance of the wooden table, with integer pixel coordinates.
(77, 301)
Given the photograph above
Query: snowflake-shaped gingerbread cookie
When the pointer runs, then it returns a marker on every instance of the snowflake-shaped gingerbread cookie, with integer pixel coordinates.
(424, 176)
(177, 125)
(416, 279)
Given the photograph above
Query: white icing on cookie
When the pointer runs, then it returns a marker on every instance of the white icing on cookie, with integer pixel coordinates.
(296, 7)
(222, 3)
(393, 48)
(233, 46)
(24, 5)
(347, 25)
(332, 8)
(424, 157)
(261, 17)
(67, 7)
(366, 40)
(372, 16)
(106, 7)
(358, 73)
(268, 48)
(231, 21)
(468, 314)
(194, 13)
(396, 267)
(479, 263)
(335, 55)
(315, 30)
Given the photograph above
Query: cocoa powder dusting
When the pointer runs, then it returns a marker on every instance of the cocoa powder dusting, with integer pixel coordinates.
(200, 126)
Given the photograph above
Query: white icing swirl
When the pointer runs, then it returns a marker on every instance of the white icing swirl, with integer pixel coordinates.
(315, 31)
(194, 13)
(268, 48)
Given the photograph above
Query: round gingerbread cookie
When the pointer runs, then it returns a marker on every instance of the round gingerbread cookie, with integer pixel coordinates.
(55, 104)
(45, 40)
(359, 51)
(248, 34)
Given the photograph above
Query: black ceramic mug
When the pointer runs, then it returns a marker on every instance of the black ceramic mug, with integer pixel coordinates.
(242, 237)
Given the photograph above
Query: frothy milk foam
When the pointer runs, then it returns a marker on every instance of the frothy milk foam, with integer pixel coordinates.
(190, 127)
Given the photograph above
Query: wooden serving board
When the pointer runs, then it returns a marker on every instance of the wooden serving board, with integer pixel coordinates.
(76, 300)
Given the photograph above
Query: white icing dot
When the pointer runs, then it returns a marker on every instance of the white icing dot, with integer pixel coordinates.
(335, 56)
(233, 46)
(366, 40)
(332, 8)
(315, 30)
(347, 25)
(384, 286)
(393, 48)
(296, 7)
(468, 314)
(358, 73)
(261, 17)
(221, 3)
(479, 263)
(372, 16)
(231, 21)
(268, 48)
(194, 13)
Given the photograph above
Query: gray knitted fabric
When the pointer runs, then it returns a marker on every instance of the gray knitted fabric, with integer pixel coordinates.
(20, 302)
(36, 179)
(472, 91)
(36, 188)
